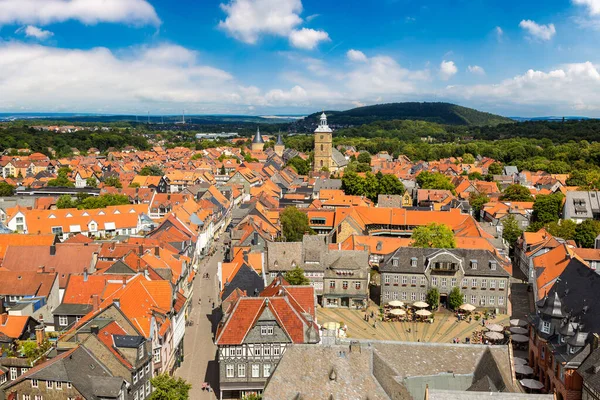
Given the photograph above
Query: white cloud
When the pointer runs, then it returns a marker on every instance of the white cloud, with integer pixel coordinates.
(499, 33)
(578, 85)
(35, 32)
(476, 69)
(593, 6)
(247, 20)
(307, 39)
(311, 17)
(538, 31)
(356, 55)
(44, 12)
(447, 70)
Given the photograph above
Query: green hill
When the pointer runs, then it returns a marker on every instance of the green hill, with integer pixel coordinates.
(441, 113)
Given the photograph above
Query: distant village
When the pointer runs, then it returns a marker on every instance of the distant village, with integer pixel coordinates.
(194, 273)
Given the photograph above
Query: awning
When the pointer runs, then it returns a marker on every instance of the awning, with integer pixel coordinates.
(75, 228)
(109, 226)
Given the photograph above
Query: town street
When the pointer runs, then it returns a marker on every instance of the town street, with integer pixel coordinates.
(200, 363)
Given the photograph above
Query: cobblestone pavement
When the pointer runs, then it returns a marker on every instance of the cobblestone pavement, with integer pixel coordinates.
(200, 364)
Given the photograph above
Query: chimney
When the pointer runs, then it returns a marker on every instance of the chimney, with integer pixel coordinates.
(146, 273)
(141, 251)
(157, 252)
(95, 302)
(85, 274)
(124, 281)
(3, 318)
(255, 239)
(139, 263)
(94, 329)
(39, 335)
(117, 302)
(53, 250)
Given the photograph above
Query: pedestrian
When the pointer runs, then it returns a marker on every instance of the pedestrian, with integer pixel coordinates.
(213, 305)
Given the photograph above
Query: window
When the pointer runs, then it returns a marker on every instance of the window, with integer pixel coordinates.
(135, 379)
(141, 374)
(500, 300)
(147, 388)
(484, 283)
(26, 397)
(13, 373)
(386, 296)
(34, 383)
(492, 284)
(266, 370)
(413, 262)
(501, 284)
(493, 263)
(543, 353)
(345, 285)
(58, 385)
(387, 279)
(156, 353)
(238, 351)
(464, 298)
(492, 300)
(413, 280)
(474, 282)
(147, 368)
(135, 395)
(396, 279)
(257, 351)
(453, 282)
(49, 384)
(255, 370)
(13, 299)
(357, 285)
(482, 300)
(423, 281)
(69, 385)
(395, 262)
(423, 295)
(434, 281)
(38, 397)
(331, 284)
(276, 350)
(413, 296)
(241, 371)
(403, 296)
(404, 280)
(465, 282)
(229, 370)
(57, 230)
(546, 327)
(63, 320)
(444, 282)
(267, 351)
(266, 330)
(395, 295)
(473, 299)
(141, 352)
(473, 264)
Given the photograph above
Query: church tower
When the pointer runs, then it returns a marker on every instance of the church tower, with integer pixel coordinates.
(323, 146)
(258, 143)
(279, 146)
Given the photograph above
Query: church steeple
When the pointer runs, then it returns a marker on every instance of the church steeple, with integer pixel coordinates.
(258, 143)
(279, 146)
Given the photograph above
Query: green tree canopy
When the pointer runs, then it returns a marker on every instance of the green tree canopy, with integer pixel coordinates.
(468, 158)
(434, 180)
(586, 233)
(547, 208)
(62, 179)
(364, 158)
(65, 201)
(113, 181)
(167, 387)
(352, 184)
(91, 182)
(564, 229)
(510, 230)
(495, 169)
(6, 189)
(477, 201)
(438, 236)
(300, 165)
(151, 170)
(294, 224)
(455, 298)
(516, 193)
(390, 184)
(296, 277)
(433, 298)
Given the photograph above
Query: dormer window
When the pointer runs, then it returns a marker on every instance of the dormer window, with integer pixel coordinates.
(395, 262)
(141, 352)
(413, 262)
(117, 212)
(493, 265)
(473, 264)
(85, 214)
(545, 328)
(69, 215)
(101, 213)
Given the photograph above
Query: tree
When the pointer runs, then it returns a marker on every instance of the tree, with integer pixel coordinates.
(577, 178)
(434, 180)
(468, 158)
(352, 184)
(65, 201)
(299, 164)
(113, 181)
(546, 208)
(91, 182)
(61, 180)
(433, 298)
(134, 185)
(455, 298)
(437, 236)
(6, 189)
(495, 169)
(151, 170)
(364, 158)
(296, 277)
(510, 230)
(586, 233)
(477, 201)
(222, 170)
(167, 387)
(564, 229)
(363, 167)
(294, 224)
(252, 396)
(371, 186)
(475, 176)
(390, 184)
(516, 193)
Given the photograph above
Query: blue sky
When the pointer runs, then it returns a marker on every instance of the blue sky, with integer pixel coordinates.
(296, 56)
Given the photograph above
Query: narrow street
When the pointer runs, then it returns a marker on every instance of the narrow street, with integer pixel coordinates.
(200, 363)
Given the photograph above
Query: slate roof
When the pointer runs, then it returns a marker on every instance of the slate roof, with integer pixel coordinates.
(338, 158)
(590, 370)
(72, 309)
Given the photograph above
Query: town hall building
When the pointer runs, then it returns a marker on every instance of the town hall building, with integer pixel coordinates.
(327, 158)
